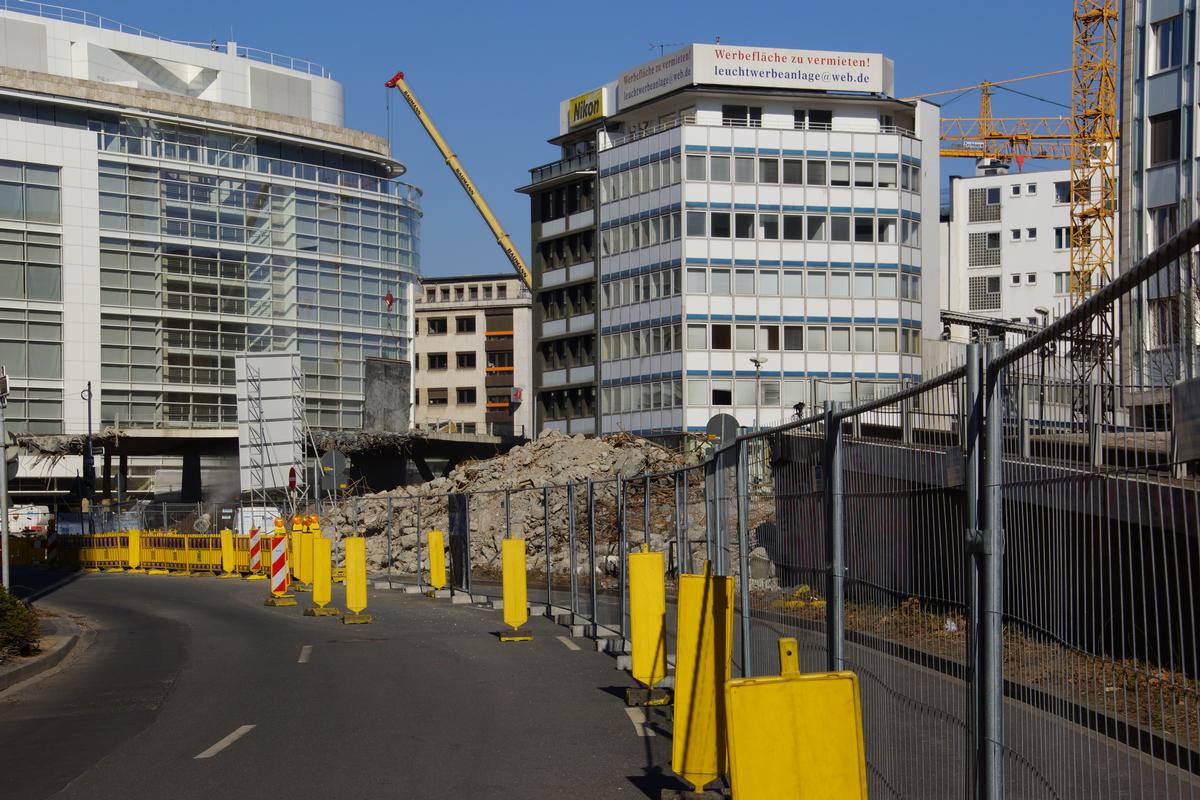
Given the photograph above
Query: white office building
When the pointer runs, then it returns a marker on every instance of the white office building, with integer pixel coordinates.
(167, 205)
(757, 205)
(1005, 242)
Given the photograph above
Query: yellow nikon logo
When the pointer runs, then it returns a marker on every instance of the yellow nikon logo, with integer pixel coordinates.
(585, 108)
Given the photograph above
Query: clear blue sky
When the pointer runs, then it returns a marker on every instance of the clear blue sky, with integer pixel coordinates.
(491, 74)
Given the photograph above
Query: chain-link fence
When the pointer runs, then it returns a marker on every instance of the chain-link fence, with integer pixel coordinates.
(1005, 554)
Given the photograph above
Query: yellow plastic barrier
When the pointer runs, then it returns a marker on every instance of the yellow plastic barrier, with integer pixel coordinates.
(704, 652)
(203, 554)
(296, 550)
(437, 559)
(228, 562)
(322, 584)
(306, 555)
(796, 735)
(648, 616)
(135, 551)
(356, 580)
(516, 601)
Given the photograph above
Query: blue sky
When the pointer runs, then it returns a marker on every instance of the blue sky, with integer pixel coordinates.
(491, 74)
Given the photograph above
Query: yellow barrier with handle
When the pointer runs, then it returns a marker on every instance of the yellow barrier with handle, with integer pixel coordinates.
(648, 620)
(135, 551)
(703, 657)
(356, 580)
(516, 600)
(796, 735)
(437, 560)
(322, 578)
(306, 556)
(228, 560)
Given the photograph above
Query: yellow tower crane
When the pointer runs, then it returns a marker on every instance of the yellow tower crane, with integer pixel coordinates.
(510, 250)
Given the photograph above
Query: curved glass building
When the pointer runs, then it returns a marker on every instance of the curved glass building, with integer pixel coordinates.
(165, 206)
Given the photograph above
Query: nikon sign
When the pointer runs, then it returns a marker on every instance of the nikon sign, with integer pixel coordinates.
(585, 108)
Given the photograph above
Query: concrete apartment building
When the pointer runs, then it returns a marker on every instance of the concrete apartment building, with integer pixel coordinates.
(471, 355)
(1158, 188)
(722, 206)
(165, 206)
(1005, 241)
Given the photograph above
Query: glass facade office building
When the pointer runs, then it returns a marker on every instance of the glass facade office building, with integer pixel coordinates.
(156, 221)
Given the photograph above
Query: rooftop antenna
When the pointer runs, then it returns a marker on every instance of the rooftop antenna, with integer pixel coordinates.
(662, 46)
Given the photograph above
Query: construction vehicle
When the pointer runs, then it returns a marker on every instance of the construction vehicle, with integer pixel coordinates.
(510, 251)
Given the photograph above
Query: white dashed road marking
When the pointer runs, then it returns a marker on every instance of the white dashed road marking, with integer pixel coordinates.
(305, 652)
(567, 643)
(228, 740)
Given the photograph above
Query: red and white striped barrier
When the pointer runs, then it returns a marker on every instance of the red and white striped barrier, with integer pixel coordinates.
(52, 546)
(279, 565)
(255, 551)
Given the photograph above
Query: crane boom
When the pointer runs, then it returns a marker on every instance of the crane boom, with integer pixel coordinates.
(460, 172)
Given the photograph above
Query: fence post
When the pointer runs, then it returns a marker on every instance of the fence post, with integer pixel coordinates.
(973, 445)
(991, 607)
(719, 565)
(591, 506)
(835, 597)
(420, 582)
(1023, 426)
(906, 421)
(389, 541)
(571, 558)
(710, 512)
(743, 530)
(683, 556)
(646, 510)
(507, 515)
(623, 541)
(546, 540)
(1096, 425)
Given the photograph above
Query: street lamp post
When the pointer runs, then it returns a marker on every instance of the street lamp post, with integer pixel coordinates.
(757, 361)
(4, 485)
(89, 461)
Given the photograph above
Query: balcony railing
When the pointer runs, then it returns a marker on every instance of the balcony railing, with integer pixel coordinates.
(564, 167)
(846, 126)
(78, 17)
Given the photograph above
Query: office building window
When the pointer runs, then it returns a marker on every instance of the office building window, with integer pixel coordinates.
(743, 169)
(436, 361)
(1062, 238)
(1062, 282)
(722, 337)
(465, 360)
(718, 168)
(768, 226)
(984, 293)
(1164, 137)
(29, 192)
(719, 225)
(1016, 190)
(741, 116)
(1031, 188)
(464, 324)
(743, 226)
(465, 397)
(435, 326)
(1031, 234)
(768, 170)
(696, 223)
(696, 168)
(1168, 43)
(839, 173)
(31, 267)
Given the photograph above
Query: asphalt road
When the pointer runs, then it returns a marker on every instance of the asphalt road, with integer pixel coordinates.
(425, 703)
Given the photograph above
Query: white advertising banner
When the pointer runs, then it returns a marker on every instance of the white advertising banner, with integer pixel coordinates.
(770, 67)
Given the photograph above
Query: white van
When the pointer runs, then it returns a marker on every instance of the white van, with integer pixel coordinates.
(28, 519)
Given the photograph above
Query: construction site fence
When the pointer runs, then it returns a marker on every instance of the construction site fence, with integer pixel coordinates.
(1005, 554)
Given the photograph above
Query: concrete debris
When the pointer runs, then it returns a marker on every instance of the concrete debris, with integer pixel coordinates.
(553, 459)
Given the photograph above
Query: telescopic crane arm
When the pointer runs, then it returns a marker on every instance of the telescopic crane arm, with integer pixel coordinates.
(460, 172)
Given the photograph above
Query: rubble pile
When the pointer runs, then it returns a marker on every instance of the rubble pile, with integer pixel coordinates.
(553, 459)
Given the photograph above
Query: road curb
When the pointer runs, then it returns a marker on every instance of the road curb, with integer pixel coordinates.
(48, 659)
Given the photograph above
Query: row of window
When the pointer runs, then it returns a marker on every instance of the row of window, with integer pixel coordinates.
(745, 392)
(641, 233)
(642, 342)
(798, 283)
(640, 178)
(30, 265)
(641, 288)
(441, 397)
(30, 193)
(440, 326)
(462, 293)
(466, 360)
(808, 338)
(31, 343)
(803, 172)
(34, 410)
(803, 227)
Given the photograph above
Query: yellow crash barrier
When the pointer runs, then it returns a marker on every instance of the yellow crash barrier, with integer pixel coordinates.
(356, 580)
(796, 735)
(516, 601)
(437, 560)
(647, 626)
(322, 574)
(703, 656)
(228, 561)
(135, 551)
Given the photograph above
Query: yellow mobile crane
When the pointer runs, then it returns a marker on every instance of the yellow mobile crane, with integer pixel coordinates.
(397, 82)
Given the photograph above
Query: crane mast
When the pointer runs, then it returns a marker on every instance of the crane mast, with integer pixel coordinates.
(510, 251)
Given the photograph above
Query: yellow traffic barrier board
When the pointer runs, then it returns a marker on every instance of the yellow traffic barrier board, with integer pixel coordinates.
(322, 583)
(135, 551)
(516, 601)
(796, 736)
(356, 580)
(228, 562)
(648, 616)
(437, 559)
(306, 555)
(703, 657)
